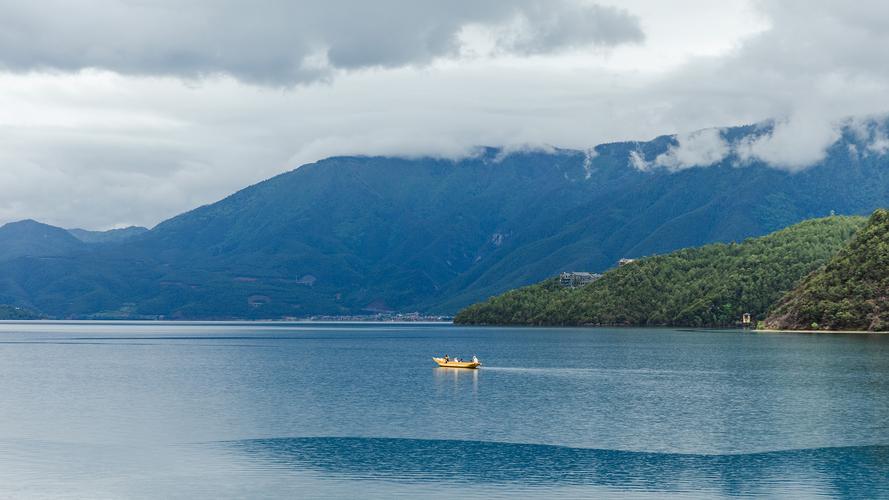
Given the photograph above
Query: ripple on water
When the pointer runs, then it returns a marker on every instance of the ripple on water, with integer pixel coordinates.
(858, 472)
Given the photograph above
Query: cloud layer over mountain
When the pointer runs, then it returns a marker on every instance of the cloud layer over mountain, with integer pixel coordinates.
(117, 113)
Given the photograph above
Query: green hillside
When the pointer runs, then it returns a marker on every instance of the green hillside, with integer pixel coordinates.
(850, 293)
(708, 286)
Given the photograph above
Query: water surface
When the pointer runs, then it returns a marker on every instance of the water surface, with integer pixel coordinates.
(209, 410)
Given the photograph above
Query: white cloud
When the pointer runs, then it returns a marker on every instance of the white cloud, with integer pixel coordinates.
(794, 144)
(523, 148)
(589, 155)
(697, 149)
(870, 134)
(879, 144)
(637, 161)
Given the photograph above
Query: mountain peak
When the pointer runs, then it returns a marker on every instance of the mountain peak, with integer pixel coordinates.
(32, 238)
(25, 223)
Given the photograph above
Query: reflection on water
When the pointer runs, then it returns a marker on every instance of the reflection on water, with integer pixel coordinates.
(337, 467)
(854, 472)
(460, 382)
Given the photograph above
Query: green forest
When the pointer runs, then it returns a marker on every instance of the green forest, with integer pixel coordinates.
(709, 286)
(850, 293)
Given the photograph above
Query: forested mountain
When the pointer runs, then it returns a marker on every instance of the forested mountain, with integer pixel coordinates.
(362, 234)
(708, 286)
(850, 293)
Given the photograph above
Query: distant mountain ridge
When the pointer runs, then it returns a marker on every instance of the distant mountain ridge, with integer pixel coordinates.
(361, 234)
(109, 236)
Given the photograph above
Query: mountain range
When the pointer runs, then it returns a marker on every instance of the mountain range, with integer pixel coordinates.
(354, 234)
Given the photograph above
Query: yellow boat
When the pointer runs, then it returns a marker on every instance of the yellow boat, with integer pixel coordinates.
(456, 364)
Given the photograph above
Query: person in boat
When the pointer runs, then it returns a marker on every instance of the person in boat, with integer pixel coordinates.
(474, 359)
(446, 358)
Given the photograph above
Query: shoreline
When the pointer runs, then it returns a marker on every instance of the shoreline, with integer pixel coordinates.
(416, 322)
(832, 332)
(751, 330)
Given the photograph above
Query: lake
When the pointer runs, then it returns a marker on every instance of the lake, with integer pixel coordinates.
(234, 410)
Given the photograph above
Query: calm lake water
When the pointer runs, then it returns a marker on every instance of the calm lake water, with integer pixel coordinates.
(155, 410)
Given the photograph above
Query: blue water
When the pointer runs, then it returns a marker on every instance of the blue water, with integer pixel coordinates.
(159, 410)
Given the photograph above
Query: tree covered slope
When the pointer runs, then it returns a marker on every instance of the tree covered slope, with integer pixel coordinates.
(708, 286)
(850, 293)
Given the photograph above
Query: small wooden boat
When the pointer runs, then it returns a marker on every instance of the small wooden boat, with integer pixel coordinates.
(456, 364)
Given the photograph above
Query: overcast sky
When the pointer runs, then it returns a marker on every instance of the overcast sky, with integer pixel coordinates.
(119, 112)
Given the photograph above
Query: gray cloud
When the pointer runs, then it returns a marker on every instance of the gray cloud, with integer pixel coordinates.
(539, 28)
(285, 42)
